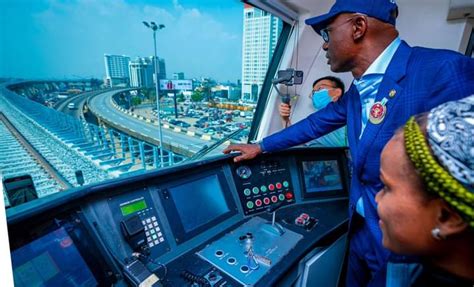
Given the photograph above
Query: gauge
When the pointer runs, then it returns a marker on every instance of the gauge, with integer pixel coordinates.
(243, 171)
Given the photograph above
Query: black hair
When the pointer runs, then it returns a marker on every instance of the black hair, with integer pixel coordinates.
(336, 81)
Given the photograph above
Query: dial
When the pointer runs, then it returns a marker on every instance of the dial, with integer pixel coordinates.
(243, 172)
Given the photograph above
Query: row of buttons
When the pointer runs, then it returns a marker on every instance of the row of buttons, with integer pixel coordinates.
(266, 200)
(232, 261)
(152, 231)
(263, 188)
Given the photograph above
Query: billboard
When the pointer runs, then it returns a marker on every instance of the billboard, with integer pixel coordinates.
(180, 85)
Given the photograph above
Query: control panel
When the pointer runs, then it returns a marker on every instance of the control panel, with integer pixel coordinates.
(247, 253)
(263, 183)
(208, 240)
(140, 209)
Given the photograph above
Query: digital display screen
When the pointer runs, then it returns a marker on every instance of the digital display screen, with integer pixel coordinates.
(133, 207)
(199, 202)
(51, 260)
(322, 175)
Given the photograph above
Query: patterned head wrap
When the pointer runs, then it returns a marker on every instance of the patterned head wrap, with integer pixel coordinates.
(450, 172)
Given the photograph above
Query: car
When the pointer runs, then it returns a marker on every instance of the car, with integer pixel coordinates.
(71, 106)
(179, 123)
(183, 124)
(173, 121)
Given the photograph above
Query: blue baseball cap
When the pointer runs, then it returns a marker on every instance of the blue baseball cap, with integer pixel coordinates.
(383, 10)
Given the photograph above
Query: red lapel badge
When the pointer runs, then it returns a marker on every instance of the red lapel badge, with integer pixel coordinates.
(377, 113)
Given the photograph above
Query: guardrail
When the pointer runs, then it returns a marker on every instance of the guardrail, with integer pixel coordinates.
(169, 126)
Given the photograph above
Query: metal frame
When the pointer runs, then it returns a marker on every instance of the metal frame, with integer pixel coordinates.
(267, 83)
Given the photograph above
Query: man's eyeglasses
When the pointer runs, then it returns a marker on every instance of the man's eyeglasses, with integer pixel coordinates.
(325, 32)
(322, 87)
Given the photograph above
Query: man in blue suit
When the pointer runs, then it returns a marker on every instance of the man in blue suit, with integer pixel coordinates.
(392, 81)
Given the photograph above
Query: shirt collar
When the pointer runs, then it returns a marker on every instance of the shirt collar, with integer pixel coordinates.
(380, 65)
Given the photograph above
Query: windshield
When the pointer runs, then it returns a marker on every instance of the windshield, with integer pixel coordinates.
(79, 92)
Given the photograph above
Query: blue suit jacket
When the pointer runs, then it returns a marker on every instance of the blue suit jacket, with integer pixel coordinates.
(422, 78)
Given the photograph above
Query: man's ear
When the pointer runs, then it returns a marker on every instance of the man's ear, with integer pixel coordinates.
(449, 221)
(359, 27)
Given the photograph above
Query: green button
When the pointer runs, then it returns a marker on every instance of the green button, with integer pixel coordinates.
(286, 184)
(249, 204)
(247, 192)
(281, 197)
(263, 188)
(255, 190)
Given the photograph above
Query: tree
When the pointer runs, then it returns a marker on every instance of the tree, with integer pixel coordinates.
(197, 96)
(206, 87)
(136, 101)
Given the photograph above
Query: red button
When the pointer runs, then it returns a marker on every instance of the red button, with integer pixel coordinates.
(274, 198)
(271, 187)
(289, 195)
(266, 200)
(278, 185)
(258, 202)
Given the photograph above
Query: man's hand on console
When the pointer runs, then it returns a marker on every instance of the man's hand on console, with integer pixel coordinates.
(248, 151)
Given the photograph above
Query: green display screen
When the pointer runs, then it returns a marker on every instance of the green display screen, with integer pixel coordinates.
(133, 207)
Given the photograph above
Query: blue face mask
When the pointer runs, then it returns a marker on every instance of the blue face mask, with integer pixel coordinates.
(321, 99)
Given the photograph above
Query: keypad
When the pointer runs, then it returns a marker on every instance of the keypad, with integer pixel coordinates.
(153, 233)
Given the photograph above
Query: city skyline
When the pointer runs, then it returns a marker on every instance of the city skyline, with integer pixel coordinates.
(54, 39)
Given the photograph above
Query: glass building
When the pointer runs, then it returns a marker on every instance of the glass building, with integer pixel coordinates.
(260, 36)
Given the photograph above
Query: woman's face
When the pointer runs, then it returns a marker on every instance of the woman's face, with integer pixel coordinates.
(407, 216)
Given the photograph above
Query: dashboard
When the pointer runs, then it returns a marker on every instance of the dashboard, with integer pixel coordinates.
(208, 223)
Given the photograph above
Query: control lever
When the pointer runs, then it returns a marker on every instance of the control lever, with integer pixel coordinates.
(275, 228)
(251, 260)
(274, 207)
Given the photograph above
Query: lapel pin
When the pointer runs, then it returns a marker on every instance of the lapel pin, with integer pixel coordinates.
(392, 93)
(378, 112)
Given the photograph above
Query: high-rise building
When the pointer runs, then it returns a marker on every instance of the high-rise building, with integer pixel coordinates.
(116, 70)
(161, 68)
(178, 76)
(261, 32)
(142, 72)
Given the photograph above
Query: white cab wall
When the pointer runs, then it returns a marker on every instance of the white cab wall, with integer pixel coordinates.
(423, 23)
(420, 23)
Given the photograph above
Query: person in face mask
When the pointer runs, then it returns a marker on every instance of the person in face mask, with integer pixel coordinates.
(325, 90)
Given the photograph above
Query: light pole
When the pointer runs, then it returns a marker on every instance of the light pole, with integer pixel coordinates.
(155, 27)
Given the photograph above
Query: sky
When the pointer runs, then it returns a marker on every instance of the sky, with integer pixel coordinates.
(57, 39)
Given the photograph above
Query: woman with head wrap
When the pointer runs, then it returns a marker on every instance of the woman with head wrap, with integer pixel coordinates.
(427, 205)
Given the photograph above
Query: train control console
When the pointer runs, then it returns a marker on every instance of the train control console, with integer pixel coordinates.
(264, 222)
(248, 252)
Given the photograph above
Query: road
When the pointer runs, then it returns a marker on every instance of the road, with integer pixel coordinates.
(79, 101)
(102, 106)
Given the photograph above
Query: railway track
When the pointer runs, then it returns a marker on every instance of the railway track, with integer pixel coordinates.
(50, 170)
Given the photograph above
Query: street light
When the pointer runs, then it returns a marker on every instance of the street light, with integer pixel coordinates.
(154, 27)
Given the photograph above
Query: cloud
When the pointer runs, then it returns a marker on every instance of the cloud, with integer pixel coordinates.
(177, 6)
